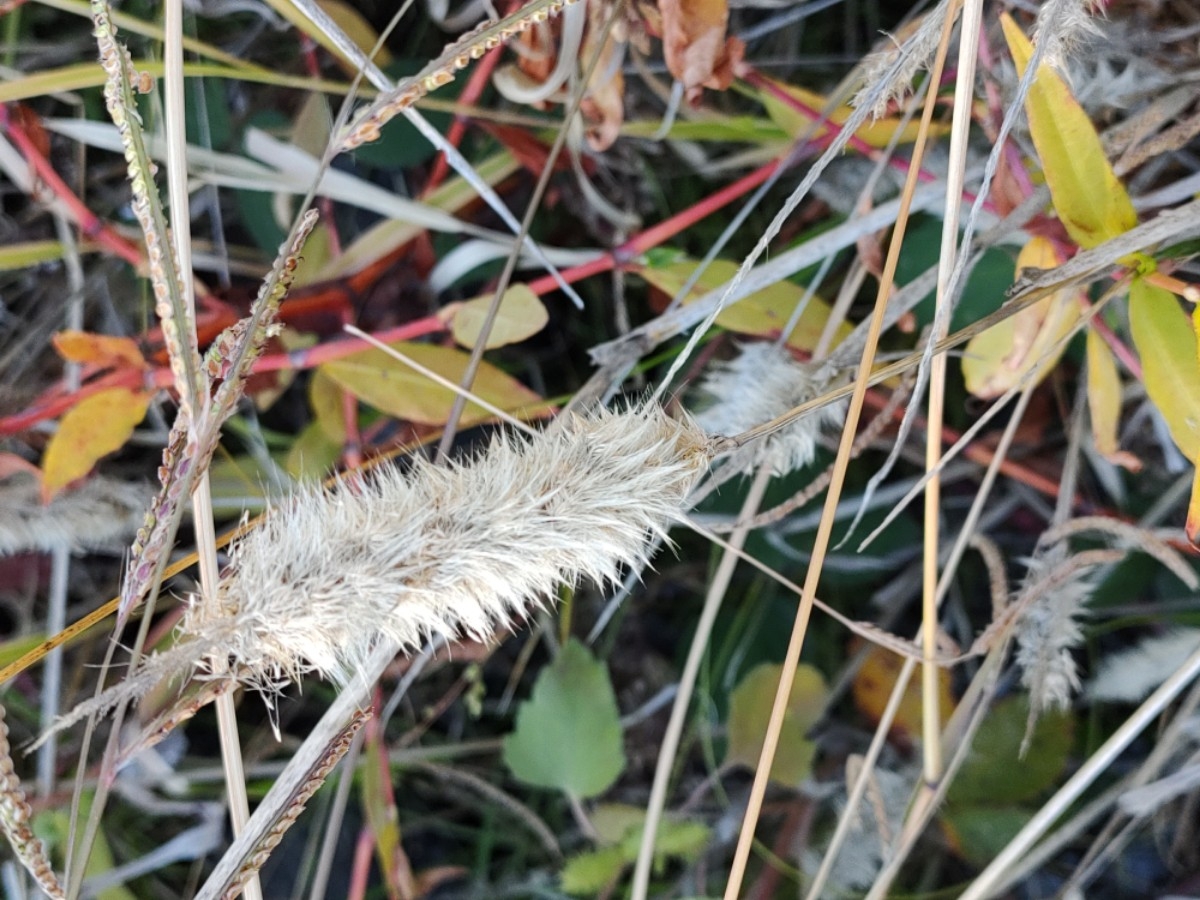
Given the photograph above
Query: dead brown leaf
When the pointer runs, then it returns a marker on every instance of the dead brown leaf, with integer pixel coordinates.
(697, 50)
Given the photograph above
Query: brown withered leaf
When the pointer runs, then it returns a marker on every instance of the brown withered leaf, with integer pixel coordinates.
(603, 106)
(697, 51)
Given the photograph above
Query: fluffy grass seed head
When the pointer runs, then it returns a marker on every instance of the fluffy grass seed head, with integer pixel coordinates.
(762, 382)
(456, 550)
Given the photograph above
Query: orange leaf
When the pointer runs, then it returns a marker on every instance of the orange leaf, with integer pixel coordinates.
(1193, 511)
(695, 46)
(95, 427)
(873, 687)
(102, 350)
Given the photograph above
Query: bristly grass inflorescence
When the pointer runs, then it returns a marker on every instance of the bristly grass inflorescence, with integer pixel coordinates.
(461, 549)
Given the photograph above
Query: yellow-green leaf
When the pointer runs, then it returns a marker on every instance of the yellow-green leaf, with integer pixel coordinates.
(750, 708)
(521, 315)
(312, 454)
(1087, 196)
(391, 386)
(997, 359)
(1166, 345)
(95, 427)
(764, 313)
(1104, 402)
(795, 122)
(1192, 525)
(325, 399)
(29, 253)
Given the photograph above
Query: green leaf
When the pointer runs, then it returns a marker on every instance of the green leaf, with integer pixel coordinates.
(1087, 196)
(750, 709)
(980, 833)
(1166, 343)
(29, 253)
(393, 387)
(591, 872)
(995, 774)
(313, 454)
(568, 733)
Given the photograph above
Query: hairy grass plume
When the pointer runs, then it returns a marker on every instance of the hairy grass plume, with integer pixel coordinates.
(762, 382)
(462, 549)
(101, 513)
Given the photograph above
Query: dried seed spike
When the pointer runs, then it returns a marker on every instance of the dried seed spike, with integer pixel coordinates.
(331, 757)
(15, 815)
(457, 55)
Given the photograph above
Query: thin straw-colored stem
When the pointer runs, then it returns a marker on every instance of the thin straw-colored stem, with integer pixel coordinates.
(825, 527)
(850, 813)
(206, 538)
(964, 94)
(715, 594)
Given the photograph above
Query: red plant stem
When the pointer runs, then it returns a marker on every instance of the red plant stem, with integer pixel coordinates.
(90, 225)
(1127, 357)
(55, 404)
(652, 237)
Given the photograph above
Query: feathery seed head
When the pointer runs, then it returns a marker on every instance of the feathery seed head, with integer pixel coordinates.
(460, 549)
(762, 382)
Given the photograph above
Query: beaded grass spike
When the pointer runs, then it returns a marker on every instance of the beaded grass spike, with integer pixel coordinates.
(457, 56)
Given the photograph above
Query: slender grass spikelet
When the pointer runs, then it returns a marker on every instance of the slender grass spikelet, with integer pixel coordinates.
(1049, 630)
(762, 382)
(455, 550)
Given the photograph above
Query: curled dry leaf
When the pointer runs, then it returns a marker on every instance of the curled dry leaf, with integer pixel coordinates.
(603, 106)
(697, 51)
(999, 358)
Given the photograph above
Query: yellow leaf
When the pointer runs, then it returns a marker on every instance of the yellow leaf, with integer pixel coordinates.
(997, 359)
(391, 386)
(764, 313)
(1087, 196)
(1166, 344)
(878, 132)
(521, 315)
(95, 427)
(1104, 402)
(1192, 525)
